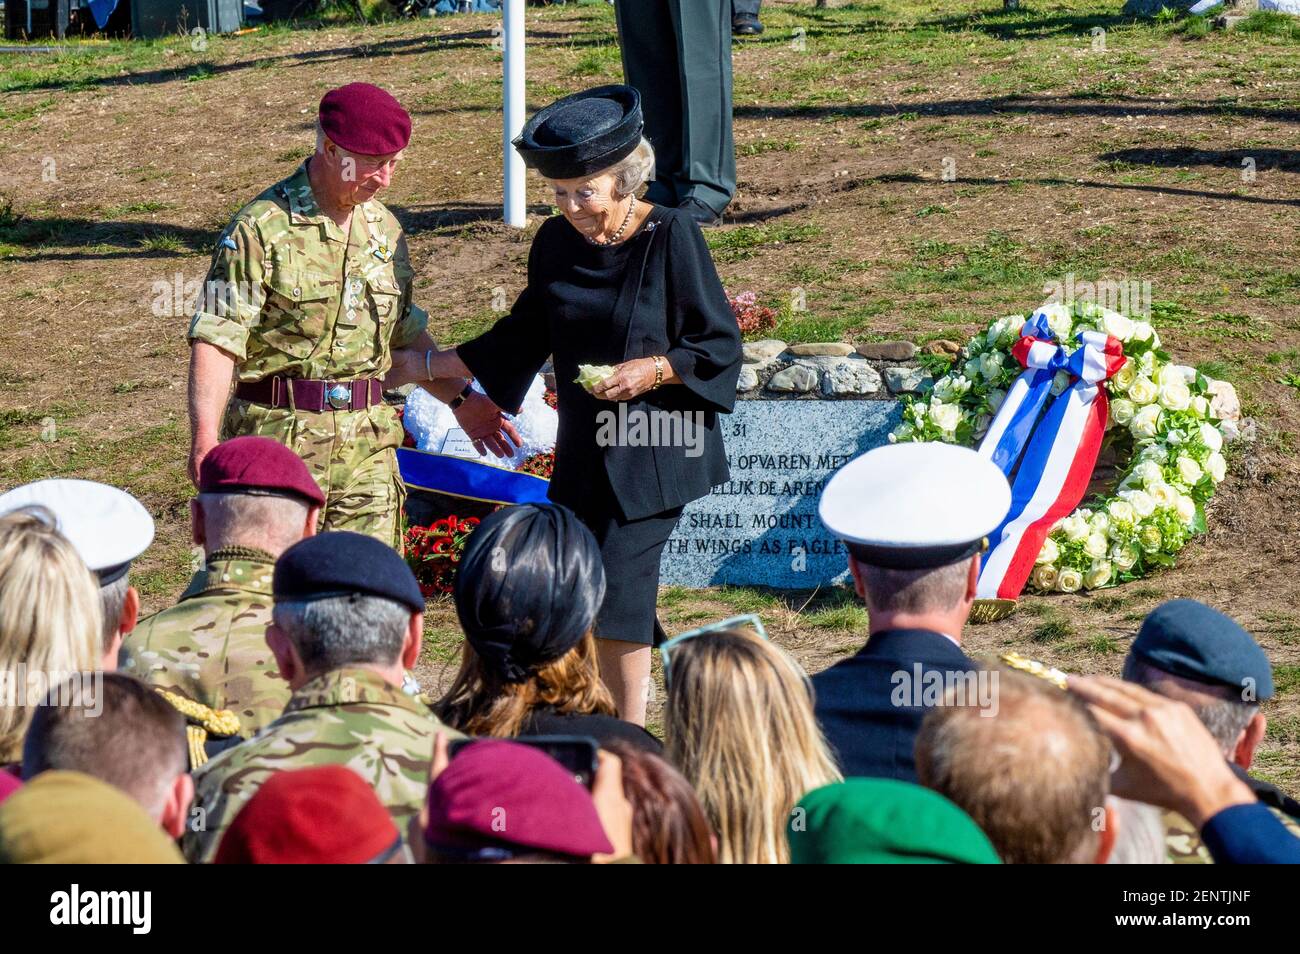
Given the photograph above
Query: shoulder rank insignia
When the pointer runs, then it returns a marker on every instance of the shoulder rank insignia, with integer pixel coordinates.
(202, 722)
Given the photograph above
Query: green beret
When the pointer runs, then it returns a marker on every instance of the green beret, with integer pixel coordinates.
(1187, 638)
(883, 821)
(70, 818)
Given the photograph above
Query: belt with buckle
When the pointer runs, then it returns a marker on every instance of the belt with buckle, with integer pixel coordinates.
(313, 395)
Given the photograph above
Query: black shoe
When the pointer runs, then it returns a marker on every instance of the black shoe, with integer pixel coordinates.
(701, 213)
(745, 24)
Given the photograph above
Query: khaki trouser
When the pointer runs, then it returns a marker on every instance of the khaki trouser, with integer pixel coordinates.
(352, 456)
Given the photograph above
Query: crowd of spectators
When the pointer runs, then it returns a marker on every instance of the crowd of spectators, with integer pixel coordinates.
(525, 758)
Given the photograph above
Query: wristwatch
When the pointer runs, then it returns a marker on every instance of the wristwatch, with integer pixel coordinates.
(459, 399)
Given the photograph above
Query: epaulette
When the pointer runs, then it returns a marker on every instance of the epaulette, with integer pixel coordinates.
(1034, 668)
(201, 721)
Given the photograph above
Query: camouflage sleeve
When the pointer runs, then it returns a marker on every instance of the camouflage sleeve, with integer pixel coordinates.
(412, 319)
(233, 293)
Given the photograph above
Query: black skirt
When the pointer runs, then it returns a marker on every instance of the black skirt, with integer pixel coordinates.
(630, 550)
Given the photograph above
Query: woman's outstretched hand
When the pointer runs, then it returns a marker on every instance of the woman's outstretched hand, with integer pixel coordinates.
(486, 426)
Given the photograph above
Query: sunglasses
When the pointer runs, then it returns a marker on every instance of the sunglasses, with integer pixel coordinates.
(734, 622)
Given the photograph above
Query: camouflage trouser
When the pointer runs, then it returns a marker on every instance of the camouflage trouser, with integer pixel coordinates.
(351, 454)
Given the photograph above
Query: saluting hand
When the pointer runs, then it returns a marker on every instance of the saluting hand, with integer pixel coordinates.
(630, 379)
(1168, 758)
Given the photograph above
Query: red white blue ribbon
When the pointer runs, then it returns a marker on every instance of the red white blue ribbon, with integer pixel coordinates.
(1039, 354)
(1059, 454)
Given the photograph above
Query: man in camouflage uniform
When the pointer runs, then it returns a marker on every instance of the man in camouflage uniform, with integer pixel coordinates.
(208, 654)
(348, 620)
(308, 303)
(1191, 653)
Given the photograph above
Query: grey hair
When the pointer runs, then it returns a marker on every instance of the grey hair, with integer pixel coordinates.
(1220, 708)
(935, 589)
(320, 137)
(1141, 836)
(339, 631)
(112, 597)
(269, 522)
(631, 173)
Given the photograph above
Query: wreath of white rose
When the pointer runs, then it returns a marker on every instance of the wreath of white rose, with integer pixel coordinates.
(1167, 428)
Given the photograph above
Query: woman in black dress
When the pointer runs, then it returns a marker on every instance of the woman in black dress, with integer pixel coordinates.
(616, 281)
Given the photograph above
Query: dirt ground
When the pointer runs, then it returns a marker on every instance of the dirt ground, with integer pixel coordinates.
(1166, 156)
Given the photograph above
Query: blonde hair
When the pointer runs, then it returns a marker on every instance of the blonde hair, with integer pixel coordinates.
(481, 703)
(50, 617)
(739, 725)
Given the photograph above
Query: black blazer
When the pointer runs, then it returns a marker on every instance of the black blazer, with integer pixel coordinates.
(855, 701)
(667, 300)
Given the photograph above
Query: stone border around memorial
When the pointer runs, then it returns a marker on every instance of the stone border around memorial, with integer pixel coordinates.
(826, 371)
(878, 371)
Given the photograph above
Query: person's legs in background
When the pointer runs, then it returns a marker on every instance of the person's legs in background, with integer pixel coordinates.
(625, 670)
(677, 54)
(744, 17)
(650, 65)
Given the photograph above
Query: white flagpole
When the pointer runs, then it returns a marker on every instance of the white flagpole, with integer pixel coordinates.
(513, 112)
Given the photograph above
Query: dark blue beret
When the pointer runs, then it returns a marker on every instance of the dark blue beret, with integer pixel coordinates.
(583, 133)
(341, 563)
(1187, 638)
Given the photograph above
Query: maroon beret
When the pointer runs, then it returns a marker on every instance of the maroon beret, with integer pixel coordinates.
(9, 783)
(244, 464)
(325, 815)
(365, 119)
(503, 795)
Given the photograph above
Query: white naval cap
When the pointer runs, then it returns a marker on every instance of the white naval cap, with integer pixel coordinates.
(108, 527)
(915, 505)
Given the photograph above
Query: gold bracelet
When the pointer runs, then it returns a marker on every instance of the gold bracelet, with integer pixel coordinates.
(659, 372)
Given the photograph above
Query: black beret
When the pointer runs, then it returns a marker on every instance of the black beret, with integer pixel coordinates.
(1189, 639)
(340, 563)
(583, 133)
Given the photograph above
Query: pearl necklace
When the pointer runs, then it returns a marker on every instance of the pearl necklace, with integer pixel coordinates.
(621, 229)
